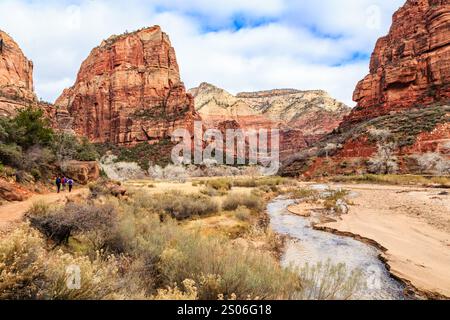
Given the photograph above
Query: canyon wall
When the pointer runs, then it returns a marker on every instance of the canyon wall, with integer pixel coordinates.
(129, 90)
(302, 117)
(16, 77)
(410, 67)
(407, 93)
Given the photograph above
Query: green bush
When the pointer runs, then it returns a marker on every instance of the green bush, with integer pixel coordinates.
(11, 154)
(36, 174)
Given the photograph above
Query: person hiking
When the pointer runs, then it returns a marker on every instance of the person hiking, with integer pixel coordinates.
(58, 183)
(70, 183)
(64, 182)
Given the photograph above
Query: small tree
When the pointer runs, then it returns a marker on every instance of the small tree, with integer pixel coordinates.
(385, 161)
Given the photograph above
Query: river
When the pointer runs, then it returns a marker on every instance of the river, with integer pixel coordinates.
(307, 245)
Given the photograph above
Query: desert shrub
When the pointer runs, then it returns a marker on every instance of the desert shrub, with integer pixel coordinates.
(29, 271)
(96, 223)
(37, 175)
(305, 194)
(220, 269)
(105, 187)
(325, 281)
(272, 181)
(11, 154)
(395, 179)
(220, 184)
(335, 201)
(243, 214)
(211, 192)
(180, 205)
(188, 293)
(250, 201)
(245, 183)
(38, 209)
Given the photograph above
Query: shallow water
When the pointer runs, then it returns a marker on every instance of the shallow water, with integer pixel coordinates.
(312, 246)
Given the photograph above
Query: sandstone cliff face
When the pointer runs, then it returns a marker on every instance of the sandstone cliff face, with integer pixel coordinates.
(407, 92)
(411, 65)
(16, 77)
(302, 116)
(129, 90)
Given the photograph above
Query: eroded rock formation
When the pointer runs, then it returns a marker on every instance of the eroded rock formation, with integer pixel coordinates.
(16, 77)
(302, 116)
(129, 90)
(407, 93)
(410, 66)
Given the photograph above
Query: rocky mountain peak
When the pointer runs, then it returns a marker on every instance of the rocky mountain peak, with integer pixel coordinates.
(16, 77)
(129, 90)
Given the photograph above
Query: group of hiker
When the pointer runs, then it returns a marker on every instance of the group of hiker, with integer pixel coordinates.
(62, 183)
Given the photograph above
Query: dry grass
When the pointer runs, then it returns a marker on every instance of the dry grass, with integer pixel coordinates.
(396, 180)
(250, 201)
(149, 255)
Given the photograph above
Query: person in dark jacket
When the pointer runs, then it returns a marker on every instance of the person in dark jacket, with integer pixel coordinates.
(70, 184)
(58, 183)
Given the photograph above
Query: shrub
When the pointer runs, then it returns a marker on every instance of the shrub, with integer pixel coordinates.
(336, 201)
(11, 154)
(36, 174)
(96, 223)
(220, 184)
(243, 214)
(29, 271)
(329, 282)
(179, 205)
(250, 201)
(30, 127)
(219, 269)
(305, 194)
(259, 182)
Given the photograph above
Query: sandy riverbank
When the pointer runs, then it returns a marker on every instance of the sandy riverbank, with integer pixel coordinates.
(412, 223)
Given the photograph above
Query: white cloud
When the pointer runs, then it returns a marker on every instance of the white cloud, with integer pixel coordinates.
(305, 44)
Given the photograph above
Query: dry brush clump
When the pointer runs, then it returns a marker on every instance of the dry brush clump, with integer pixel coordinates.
(326, 281)
(29, 270)
(179, 205)
(248, 200)
(96, 223)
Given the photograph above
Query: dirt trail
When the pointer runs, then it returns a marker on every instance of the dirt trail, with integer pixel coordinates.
(13, 212)
(412, 223)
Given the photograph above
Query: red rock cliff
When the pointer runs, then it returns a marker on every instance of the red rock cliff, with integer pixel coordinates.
(129, 90)
(411, 65)
(16, 77)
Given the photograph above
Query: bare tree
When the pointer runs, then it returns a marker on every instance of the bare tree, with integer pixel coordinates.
(434, 163)
(385, 161)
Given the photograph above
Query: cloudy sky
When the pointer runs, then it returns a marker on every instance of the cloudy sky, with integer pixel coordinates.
(239, 45)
